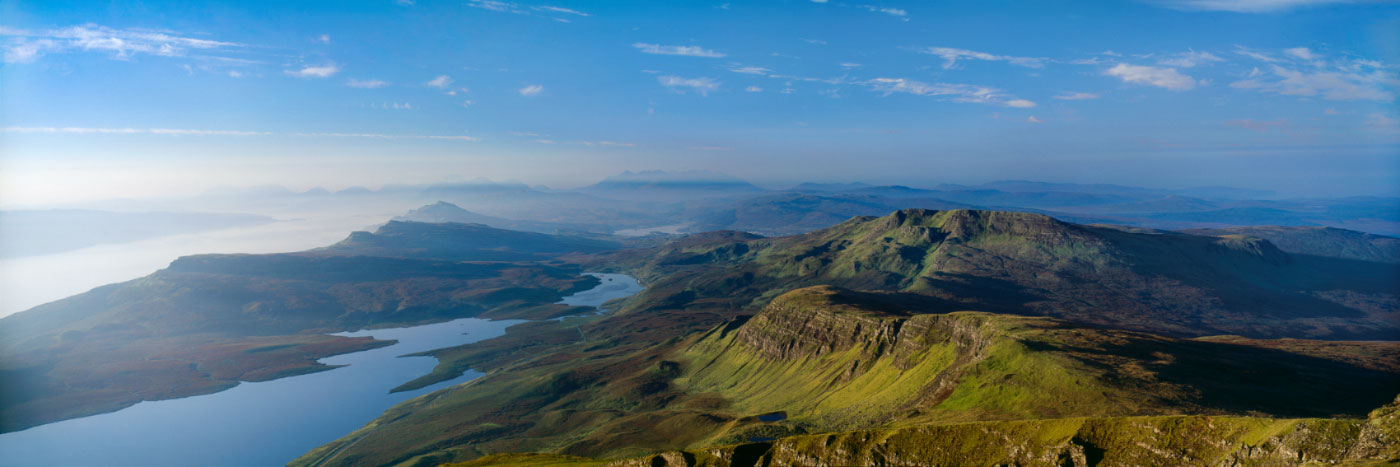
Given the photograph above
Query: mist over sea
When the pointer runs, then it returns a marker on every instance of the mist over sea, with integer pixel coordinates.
(29, 281)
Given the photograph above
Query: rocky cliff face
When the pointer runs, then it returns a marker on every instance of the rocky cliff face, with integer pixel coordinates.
(831, 363)
(810, 323)
(833, 359)
(1170, 440)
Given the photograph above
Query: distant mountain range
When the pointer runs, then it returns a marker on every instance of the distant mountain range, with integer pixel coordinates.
(700, 201)
(443, 211)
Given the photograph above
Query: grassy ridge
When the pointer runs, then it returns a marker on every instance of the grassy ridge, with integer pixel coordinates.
(832, 366)
(834, 360)
(1081, 441)
(1162, 440)
(682, 365)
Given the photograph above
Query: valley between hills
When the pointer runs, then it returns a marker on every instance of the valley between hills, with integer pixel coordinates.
(918, 337)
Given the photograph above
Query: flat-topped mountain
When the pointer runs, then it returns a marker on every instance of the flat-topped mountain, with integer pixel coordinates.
(461, 242)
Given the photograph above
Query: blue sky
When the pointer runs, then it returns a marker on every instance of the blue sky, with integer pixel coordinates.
(129, 99)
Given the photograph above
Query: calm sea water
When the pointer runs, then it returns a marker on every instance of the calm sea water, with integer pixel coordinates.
(272, 422)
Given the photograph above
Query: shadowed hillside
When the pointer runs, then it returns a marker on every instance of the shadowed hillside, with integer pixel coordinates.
(1153, 281)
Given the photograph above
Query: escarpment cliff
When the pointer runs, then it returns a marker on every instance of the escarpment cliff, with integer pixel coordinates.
(1162, 440)
(818, 357)
(831, 358)
(823, 320)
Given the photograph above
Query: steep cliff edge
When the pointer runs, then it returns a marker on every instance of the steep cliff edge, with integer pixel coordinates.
(1079, 442)
(832, 359)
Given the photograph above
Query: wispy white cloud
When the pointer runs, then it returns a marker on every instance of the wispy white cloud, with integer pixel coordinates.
(387, 136)
(494, 5)
(1076, 96)
(1382, 123)
(68, 130)
(1189, 59)
(1032, 119)
(753, 89)
(1355, 83)
(897, 12)
(193, 132)
(366, 84)
(1255, 54)
(324, 38)
(838, 80)
(700, 85)
(23, 46)
(314, 71)
(555, 9)
(531, 90)
(951, 56)
(1302, 53)
(391, 105)
(440, 82)
(1245, 6)
(683, 50)
(606, 144)
(544, 11)
(1256, 125)
(751, 70)
(849, 65)
(955, 92)
(1167, 78)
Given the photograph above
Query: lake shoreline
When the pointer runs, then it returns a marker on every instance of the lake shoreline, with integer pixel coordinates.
(340, 393)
